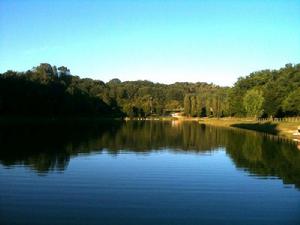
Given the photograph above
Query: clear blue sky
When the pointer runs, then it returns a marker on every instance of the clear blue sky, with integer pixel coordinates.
(162, 40)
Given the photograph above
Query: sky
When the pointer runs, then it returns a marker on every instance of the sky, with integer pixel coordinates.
(163, 41)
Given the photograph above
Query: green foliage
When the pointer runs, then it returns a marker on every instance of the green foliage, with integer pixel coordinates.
(48, 90)
(291, 104)
(213, 102)
(187, 105)
(253, 102)
(275, 85)
(39, 93)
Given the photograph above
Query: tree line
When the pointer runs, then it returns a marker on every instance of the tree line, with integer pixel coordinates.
(46, 90)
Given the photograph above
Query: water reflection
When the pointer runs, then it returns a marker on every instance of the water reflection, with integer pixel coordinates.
(47, 148)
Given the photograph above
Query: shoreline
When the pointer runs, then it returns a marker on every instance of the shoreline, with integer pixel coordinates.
(282, 129)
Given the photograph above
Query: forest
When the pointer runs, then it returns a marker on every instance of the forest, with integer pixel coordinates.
(47, 90)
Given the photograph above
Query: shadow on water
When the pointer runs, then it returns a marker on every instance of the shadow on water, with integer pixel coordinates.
(45, 148)
(268, 127)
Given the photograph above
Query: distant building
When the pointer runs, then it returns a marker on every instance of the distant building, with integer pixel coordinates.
(177, 114)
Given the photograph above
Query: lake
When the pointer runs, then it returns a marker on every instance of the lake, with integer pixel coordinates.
(146, 172)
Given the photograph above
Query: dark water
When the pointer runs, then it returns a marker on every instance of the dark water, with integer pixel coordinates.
(146, 173)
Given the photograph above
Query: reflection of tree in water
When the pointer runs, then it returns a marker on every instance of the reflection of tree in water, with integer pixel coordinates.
(145, 136)
(44, 162)
(265, 156)
(45, 148)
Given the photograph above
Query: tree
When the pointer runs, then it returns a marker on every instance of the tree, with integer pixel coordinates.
(194, 110)
(292, 103)
(253, 102)
(114, 81)
(47, 90)
(187, 105)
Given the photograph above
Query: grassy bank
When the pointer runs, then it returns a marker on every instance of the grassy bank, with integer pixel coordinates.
(283, 129)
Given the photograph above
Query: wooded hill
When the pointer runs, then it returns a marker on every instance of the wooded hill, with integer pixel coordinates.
(50, 91)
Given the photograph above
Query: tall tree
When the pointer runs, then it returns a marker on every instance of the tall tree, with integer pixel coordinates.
(292, 103)
(253, 102)
(187, 105)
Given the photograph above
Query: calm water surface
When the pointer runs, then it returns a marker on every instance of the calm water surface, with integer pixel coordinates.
(146, 173)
